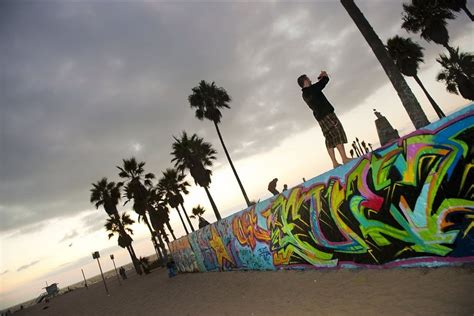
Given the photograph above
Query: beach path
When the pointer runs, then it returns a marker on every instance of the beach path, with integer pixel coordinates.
(417, 291)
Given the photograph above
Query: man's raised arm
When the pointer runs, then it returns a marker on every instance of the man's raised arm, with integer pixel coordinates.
(323, 80)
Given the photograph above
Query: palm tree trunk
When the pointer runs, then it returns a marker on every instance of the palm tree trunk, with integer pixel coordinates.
(469, 14)
(214, 206)
(433, 102)
(413, 108)
(162, 246)
(182, 221)
(157, 249)
(135, 261)
(165, 237)
(170, 229)
(232, 165)
(130, 249)
(187, 217)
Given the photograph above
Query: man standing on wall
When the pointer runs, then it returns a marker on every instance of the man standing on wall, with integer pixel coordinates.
(324, 113)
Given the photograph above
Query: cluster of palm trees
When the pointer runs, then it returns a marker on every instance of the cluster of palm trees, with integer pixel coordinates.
(151, 200)
(402, 55)
(429, 18)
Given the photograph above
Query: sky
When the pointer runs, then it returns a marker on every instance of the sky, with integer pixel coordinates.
(85, 84)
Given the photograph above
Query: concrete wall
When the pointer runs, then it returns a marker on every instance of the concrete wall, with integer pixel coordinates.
(409, 203)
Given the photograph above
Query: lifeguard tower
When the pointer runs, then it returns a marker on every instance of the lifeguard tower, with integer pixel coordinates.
(52, 289)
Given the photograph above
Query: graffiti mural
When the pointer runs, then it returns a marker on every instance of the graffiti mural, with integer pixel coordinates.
(408, 203)
(183, 255)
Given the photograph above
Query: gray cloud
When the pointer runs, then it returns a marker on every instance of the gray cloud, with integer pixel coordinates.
(4, 272)
(27, 266)
(83, 83)
(27, 229)
(69, 236)
(93, 222)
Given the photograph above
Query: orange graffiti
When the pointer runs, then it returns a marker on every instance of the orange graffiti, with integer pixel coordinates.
(247, 231)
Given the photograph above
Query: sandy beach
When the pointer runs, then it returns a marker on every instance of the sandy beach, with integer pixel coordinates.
(417, 291)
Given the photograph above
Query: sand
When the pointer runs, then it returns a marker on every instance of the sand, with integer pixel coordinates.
(418, 291)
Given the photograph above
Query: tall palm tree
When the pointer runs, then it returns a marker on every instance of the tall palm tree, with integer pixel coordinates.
(173, 186)
(114, 225)
(198, 212)
(194, 154)
(428, 18)
(407, 55)
(456, 6)
(410, 103)
(136, 189)
(107, 194)
(458, 73)
(208, 99)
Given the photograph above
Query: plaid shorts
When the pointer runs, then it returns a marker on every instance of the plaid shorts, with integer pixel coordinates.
(332, 130)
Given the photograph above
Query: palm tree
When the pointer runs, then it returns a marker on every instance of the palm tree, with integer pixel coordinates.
(159, 213)
(107, 194)
(198, 211)
(407, 55)
(456, 6)
(113, 226)
(166, 218)
(195, 155)
(173, 186)
(156, 221)
(172, 201)
(136, 189)
(429, 19)
(458, 73)
(410, 103)
(158, 224)
(208, 99)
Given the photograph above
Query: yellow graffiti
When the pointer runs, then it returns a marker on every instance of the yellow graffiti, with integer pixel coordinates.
(219, 249)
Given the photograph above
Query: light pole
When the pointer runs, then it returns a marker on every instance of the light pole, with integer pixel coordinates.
(96, 255)
(118, 278)
(85, 281)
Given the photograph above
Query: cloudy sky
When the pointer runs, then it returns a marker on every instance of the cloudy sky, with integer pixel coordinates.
(84, 84)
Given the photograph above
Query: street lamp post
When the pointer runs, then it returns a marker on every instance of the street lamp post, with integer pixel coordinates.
(96, 255)
(85, 281)
(118, 278)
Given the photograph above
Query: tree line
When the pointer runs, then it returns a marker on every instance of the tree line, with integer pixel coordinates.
(151, 198)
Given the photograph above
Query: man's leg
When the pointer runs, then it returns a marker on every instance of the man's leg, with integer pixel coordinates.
(342, 152)
(333, 157)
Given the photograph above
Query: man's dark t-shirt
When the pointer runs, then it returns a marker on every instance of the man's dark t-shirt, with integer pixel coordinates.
(316, 100)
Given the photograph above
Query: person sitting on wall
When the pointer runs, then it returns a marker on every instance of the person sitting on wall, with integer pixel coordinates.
(272, 186)
(324, 113)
